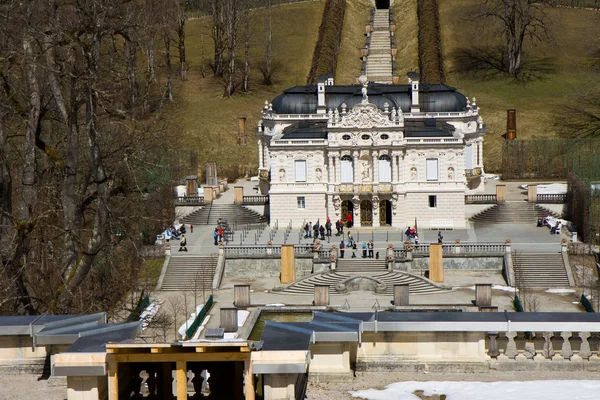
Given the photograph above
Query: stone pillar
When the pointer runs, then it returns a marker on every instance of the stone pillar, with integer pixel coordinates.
(241, 295)
(356, 213)
(338, 168)
(208, 195)
(483, 294)
(394, 168)
(532, 193)
(229, 320)
(288, 274)
(355, 179)
(401, 295)
(238, 195)
(191, 185)
(375, 211)
(279, 386)
(181, 378)
(321, 295)
(330, 171)
(436, 269)
(375, 161)
(501, 194)
(260, 155)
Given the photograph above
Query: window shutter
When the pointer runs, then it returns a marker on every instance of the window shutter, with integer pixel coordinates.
(301, 171)
(385, 171)
(347, 172)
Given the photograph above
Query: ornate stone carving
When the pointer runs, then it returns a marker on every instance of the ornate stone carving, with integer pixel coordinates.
(336, 204)
(365, 171)
(384, 188)
(318, 175)
(346, 188)
(282, 175)
(365, 116)
(365, 188)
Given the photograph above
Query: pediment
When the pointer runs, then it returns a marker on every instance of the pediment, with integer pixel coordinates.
(364, 116)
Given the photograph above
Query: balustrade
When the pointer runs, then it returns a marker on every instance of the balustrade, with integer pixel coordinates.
(551, 198)
(542, 346)
(255, 200)
(189, 200)
(480, 199)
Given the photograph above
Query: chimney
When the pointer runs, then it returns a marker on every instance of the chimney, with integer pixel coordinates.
(321, 105)
(413, 80)
(511, 124)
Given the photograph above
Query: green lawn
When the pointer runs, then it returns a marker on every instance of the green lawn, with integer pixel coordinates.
(540, 101)
(206, 120)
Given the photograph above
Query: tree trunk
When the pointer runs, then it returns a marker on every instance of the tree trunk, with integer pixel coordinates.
(169, 94)
(246, 75)
(181, 34)
(268, 75)
(231, 45)
(218, 35)
(131, 62)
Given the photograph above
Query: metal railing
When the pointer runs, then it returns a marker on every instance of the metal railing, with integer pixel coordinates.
(481, 199)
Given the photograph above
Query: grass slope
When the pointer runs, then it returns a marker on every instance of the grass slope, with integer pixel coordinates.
(538, 100)
(357, 15)
(407, 41)
(206, 120)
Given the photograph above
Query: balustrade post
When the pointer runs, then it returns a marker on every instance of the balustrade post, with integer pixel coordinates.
(548, 350)
(511, 347)
(493, 349)
(584, 349)
(566, 351)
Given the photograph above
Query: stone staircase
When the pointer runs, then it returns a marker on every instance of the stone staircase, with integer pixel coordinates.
(189, 273)
(233, 213)
(539, 270)
(417, 284)
(362, 265)
(512, 212)
(379, 58)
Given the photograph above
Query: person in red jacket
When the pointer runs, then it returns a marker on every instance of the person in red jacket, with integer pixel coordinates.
(349, 220)
(220, 234)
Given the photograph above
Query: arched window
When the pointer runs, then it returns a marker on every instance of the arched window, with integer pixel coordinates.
(385, 169)
(347, 171)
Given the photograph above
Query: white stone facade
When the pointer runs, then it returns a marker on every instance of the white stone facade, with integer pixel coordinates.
(388, 164)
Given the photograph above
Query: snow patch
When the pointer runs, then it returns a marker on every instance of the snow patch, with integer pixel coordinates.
(189, 322)
(535, 390)
(148, 313)
(494, 287)
(275, 305)
(560, 291)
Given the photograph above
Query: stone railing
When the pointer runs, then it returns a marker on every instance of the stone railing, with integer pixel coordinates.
(481, 199)
(551, 198)
(399, 254)
(189, 201)
(268, 250)
(462, 249)
(543, 346)
(255, 200)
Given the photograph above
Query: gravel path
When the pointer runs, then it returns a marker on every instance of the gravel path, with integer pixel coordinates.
(27, 386)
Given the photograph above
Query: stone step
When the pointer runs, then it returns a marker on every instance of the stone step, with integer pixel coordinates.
(189, 273)
(512, 212)
(539, 270)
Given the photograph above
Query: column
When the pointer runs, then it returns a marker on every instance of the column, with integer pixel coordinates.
(398, 167)
(375, 160)
(338, 168)
(260, 154)
(248, 379)
(181, 378)
(394, 168)
(330, 171)
(113, 380)
(355, 169)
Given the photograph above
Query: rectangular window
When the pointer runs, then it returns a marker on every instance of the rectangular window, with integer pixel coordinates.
(432, 169)
(347, 172)
(301, 202)
(432, 201)
(469, 157)
(478, 153)
(301, 171)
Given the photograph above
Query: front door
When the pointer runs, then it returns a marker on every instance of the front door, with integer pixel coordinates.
(366, 213)
(385, 213)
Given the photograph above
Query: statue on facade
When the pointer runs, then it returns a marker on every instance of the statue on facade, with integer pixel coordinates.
(319, 175)
(282, 175)
(413, 174)
(365, 172)
(364, 81)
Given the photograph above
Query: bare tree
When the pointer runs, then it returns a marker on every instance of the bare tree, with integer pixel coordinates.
(180, 19)
(175, 308)
(267, 69)
(520, 20)
(232, 34)
(218, 35)
(246, 19)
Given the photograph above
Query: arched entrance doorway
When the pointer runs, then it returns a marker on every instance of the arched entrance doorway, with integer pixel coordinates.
(382, 4)
(366, 213)
(385, 213)
(347, 207)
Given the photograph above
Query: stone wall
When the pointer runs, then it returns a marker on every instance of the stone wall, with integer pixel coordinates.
(284, 207)
(265, 267)
(450, 208)
(461, 263)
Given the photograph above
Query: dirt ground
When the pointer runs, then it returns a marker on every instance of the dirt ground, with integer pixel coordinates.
(27, 386)
(340, 390)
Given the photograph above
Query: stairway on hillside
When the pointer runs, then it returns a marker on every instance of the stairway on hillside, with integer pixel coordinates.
(539, 270)
(512, 212)
(189, 273)
(379, 58)
(369, 268)
(233, 213)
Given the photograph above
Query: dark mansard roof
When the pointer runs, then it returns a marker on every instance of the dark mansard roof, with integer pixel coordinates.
(306, 130)
(432, 98)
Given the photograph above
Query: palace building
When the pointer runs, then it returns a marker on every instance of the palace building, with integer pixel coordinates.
(389, 154)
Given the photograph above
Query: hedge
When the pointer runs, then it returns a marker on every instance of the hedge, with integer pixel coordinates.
(199, 318)
(586, 304)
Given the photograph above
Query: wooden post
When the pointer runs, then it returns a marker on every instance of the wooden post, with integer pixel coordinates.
(238, 195)
(436, 268)
(113, 380)
(483, 294)
(321, 295)
(511, 124)
(401, 295)
(165, 387)
(500, 194)
(229, 320)
(241, 295)
(288, 273)
(532, 193)
(249, 380)
(191, 185)
(181, 378)
(488, 309)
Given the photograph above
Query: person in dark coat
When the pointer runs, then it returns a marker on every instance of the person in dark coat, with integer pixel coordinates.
(183, 243)
(337, 227)
(322, 232)
(342, 247)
